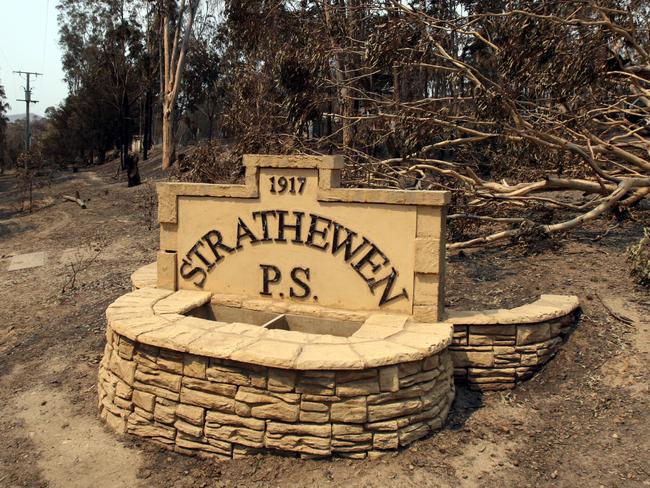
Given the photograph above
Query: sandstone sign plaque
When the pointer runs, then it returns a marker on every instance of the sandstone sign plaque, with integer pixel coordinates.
(291, 234)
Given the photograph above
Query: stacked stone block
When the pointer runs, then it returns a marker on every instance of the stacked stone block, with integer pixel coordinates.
(221, 408)
(498, 356)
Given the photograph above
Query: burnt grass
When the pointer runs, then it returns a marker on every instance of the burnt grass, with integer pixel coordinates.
(584, 420)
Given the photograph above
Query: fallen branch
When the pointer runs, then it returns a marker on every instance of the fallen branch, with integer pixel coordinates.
(505, 220)
(603, 207)
(636, 197)
(76, 200)
(606, 205)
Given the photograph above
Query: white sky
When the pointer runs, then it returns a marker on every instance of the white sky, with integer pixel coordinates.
(29, 41)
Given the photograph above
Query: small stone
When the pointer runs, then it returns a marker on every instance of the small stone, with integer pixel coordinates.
(315, 417)
(346, 429)
(476, 359)
(170, 364)
(299, 429)
(158, 378)
(281, 380)
(191, 414)
(533, 333)
(412, 433)
(391, 410)
(123, 390)
(316, 383)
(159, 392)
(266, 405)
(353, 410)
(236, 376)
(210, 387)
(357, 388)
(145, 401)
(421, 377)
(124, 369)
(410, 368)
(207, 400)
(298, 443)
(194, 366)
(126, 348)
(389, 379)
(188, 429)
(158, 431)
(388, 440)
(431, 362)
(165, 414)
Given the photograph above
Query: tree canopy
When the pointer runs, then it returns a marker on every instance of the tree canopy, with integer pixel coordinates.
(507, 103)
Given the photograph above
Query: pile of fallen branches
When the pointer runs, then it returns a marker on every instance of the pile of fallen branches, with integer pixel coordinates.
(536, 114)
(567, 81)
(209, 161)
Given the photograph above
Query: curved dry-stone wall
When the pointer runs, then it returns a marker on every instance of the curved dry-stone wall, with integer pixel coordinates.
(221, 408)
(492, 349)
(495, 350)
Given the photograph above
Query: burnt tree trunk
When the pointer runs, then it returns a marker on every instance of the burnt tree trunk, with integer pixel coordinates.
(147, 132)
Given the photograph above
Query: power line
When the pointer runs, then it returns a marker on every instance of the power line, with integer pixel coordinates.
(27, 100)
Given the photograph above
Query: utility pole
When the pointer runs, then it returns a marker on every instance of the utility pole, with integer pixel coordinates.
(27, 100)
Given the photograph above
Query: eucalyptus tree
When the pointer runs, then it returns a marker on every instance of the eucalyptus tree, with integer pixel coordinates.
(202, 93)
(104, 50)
(177, 19)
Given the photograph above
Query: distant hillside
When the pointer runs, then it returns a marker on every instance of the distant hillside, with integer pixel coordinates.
(14, 117)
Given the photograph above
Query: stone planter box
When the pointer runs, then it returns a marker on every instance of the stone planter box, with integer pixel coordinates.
(226, 389)
(496, 349)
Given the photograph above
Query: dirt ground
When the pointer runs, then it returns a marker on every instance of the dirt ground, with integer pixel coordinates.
(582, 421)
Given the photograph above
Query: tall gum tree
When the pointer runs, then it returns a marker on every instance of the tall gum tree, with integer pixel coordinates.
(103, 45)
(177, 20)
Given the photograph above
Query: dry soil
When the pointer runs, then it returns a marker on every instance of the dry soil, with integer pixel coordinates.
(584, 420)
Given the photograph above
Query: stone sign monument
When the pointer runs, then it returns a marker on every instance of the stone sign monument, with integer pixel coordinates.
(290, 314)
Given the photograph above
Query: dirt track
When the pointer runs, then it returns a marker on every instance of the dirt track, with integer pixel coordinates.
(583, 421)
